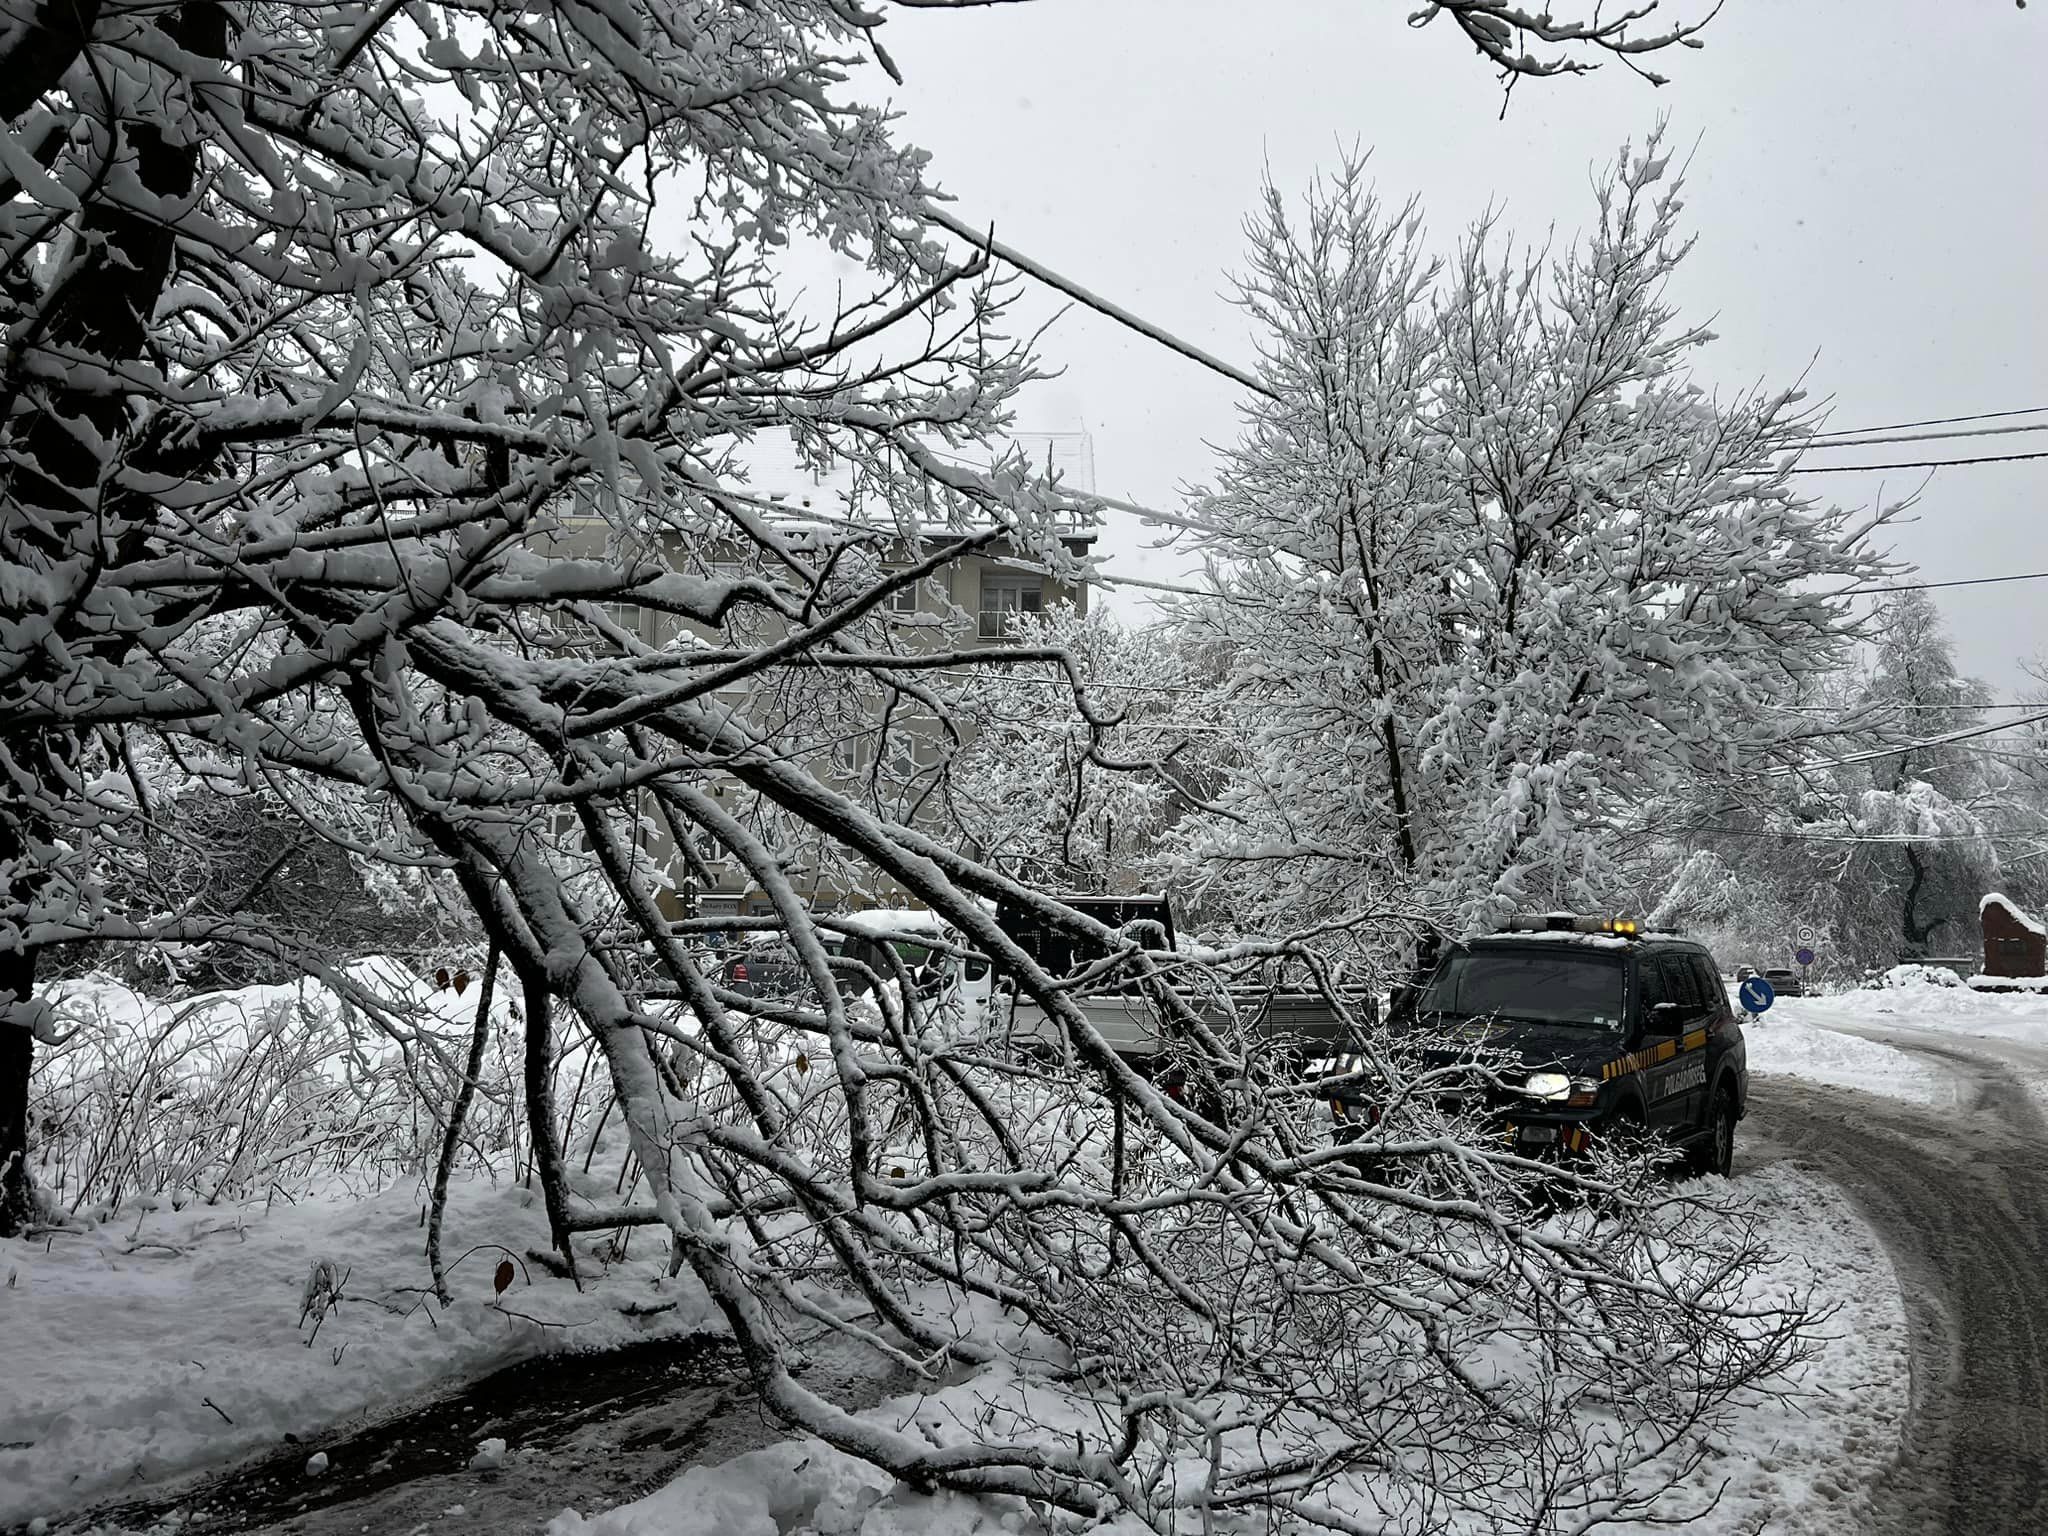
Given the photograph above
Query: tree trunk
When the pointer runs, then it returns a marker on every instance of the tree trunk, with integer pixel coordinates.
(1916, 933)
(17, 1056)
(540, 1111)
(103, 310)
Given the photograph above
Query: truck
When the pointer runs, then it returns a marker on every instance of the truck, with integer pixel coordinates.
(1280, 1009)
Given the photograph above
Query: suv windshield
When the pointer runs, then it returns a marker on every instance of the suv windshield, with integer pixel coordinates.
(1566, 987)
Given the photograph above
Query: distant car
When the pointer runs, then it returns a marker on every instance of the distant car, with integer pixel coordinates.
(1743, 973)
(1785, 983)
(768, 970)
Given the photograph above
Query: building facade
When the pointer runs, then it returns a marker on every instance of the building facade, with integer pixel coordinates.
(970, 602)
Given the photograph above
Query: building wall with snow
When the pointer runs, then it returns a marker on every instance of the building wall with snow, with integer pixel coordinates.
(2014, 943)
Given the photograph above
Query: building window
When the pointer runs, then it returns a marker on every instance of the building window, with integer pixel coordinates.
(904, 598)
(1005, 597)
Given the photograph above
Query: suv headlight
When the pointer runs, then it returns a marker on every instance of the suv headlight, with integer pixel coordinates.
(1556, 1086)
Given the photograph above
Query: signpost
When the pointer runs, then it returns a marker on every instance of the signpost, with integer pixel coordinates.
(1757, 995)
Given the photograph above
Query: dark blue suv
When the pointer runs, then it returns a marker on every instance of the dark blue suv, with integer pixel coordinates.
(1584, 1024)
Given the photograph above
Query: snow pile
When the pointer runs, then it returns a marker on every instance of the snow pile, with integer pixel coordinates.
(2009, 983)
(173, 1339)
(2021, 1016)
(1806, 1463)
(1782, 1044)
(1900, 977)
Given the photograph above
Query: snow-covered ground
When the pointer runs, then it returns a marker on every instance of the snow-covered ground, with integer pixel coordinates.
(1804, 1036)
(1788, 1042)
(1801, 1463)
(165, 1340)
(169, 1340)
(1960, 1010)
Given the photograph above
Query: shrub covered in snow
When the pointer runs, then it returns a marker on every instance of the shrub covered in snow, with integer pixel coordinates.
(1902, 976)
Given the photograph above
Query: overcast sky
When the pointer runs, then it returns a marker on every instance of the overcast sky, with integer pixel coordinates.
(1867, 188)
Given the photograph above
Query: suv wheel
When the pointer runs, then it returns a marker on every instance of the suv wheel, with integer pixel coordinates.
(1715, 1152)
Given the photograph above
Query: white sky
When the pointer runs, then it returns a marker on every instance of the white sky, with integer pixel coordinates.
(1867, 187)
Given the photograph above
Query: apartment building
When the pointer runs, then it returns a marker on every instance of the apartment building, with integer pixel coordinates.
(971, 602)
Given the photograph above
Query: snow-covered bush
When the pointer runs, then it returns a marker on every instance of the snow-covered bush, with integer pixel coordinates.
(1905, 977)
(228, 1095)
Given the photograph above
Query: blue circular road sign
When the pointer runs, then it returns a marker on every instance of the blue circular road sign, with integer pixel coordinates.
(1757, 995)
(1804, 957)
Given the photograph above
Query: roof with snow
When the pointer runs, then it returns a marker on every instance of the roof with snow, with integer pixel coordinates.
(1556, 936)
(2012, 910)
(881, 922)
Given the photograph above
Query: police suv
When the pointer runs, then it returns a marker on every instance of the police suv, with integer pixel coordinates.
(1583, 1023)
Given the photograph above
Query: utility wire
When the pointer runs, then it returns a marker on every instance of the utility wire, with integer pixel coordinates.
(1863, 837)
(1875, 753)
(1935, 421)
(986, 240)
(1882, 438)
(1850, 469)
(1961, 581)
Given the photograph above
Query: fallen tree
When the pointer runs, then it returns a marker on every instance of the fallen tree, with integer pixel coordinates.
(374, 441)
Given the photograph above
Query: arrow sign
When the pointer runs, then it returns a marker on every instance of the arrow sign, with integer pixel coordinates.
(1757, 995)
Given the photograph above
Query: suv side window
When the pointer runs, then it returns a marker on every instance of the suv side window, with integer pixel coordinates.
(1716, 995)
(1685, 982)
(1680, 988)
(1650, 989)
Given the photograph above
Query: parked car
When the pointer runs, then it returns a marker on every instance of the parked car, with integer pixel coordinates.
(1586, 1023)
(766, 968)
(1785, 982)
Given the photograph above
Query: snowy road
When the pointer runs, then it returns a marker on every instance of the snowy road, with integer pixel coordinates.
(1960, 1197)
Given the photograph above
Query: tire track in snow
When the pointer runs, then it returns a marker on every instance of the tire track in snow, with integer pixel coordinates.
(1960, 1198)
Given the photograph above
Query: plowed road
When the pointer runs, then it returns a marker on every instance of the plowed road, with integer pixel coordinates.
(1960, 1197)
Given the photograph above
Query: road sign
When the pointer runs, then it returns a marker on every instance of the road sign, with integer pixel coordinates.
(1804, 957)
(1757, 995)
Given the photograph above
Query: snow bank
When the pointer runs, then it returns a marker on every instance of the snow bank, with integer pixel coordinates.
(2009, 983)
(2021, 1016)
(1902, 976)
(173, 1339)
(1782, 1044)
(1805, 1463)
(1811, 1463)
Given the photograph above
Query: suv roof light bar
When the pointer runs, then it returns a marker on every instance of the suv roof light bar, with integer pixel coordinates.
(1569, 922)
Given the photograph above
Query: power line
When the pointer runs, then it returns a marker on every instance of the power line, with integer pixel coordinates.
(986, 240)
(1830, 709)
(1875, 753)
(1961, 581)
(1936, 421)
(1847, 437)
(1881, 438)
(1850, 469)
(1777, 834)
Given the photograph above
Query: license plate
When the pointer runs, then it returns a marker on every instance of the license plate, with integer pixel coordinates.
(1538, 1134)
